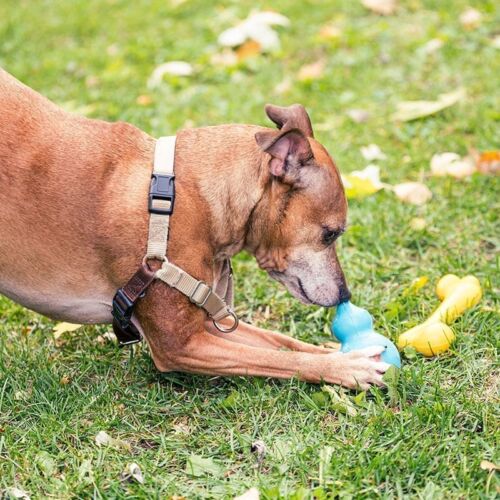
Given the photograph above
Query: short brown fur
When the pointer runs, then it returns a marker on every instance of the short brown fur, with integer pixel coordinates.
(74, 222)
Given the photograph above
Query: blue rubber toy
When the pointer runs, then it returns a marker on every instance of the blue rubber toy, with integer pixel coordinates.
(353, 328)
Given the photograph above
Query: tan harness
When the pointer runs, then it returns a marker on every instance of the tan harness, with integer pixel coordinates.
(161, 205)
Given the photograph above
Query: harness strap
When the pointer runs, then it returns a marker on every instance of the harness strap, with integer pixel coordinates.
(199, 292)
(161, 198)
(123, 305)
(161, 204)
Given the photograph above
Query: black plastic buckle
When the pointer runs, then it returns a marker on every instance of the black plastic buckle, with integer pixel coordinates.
(122, 313)
(162, 188)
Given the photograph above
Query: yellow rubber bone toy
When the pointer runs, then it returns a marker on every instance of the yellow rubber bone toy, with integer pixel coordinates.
(434, 335)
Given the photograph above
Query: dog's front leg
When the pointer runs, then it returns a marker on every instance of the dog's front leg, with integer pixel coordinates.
(258, 337)
(208, 354)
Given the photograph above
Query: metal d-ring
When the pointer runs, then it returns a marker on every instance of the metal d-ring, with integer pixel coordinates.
(232, 327)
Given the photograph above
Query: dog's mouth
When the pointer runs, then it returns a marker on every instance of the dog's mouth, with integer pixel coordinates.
(294, 285)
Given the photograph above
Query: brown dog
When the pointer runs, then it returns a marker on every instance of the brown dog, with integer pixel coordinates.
(74, 226)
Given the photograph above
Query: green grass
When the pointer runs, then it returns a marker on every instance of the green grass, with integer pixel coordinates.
(425, 442)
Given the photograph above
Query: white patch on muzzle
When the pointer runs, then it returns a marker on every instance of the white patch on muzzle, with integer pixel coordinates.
(312, 277)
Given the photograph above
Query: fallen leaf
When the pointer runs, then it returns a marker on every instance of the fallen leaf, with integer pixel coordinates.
(173, 68)
(144, 100)
(391, 380)
(45, 463)
(256, 27)
(330, 32)
(488, 162)
(15, 493)
(452, 164)
(489, 466)
(65, 380)
(470, 18)
(61, 328)
(132, 473)
(383, 7)
(250, 48)
(339, 401)
(431, 46)
(85, 473)
(372, 152)
(312, 71)
(361, 183)
(104, 439)
(418, 224)
(198, 466)
(251, 494)
(110, 336)
(411, 110)
(259, 448)
(415, 286)
(358, 115)
(284, 86)
(226, 58)
(415, 193)
(232, 400)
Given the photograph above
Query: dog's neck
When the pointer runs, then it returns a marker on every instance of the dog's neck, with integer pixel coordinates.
(228, 192)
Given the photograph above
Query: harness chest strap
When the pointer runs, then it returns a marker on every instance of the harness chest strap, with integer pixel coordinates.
(161, 204)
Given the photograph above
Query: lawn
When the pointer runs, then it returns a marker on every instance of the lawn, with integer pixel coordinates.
(192, 436)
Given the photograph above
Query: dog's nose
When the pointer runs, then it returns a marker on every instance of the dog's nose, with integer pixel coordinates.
(344, 294)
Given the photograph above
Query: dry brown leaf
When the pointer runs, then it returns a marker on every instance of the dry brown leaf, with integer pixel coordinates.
(415, 193)
(489, 466)
(312, 71)
(488, 163)
(382, 7)
(250, 48)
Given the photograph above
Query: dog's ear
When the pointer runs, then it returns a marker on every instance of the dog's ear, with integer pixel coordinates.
(289, 150)
(294, 116)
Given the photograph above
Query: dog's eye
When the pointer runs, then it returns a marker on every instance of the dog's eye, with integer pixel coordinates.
(330, 235)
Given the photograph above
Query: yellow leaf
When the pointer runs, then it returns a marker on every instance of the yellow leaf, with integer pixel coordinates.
(61, 328)
(411, 110)
(415, 286)
(361, 183)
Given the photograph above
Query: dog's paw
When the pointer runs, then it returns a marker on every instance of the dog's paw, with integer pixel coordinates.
(359, 369)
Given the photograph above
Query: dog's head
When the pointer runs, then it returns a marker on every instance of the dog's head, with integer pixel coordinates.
(303, 211)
